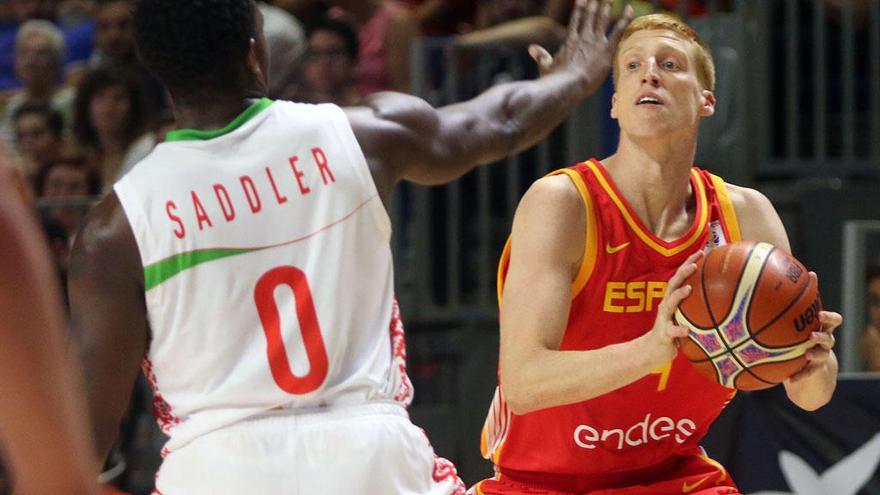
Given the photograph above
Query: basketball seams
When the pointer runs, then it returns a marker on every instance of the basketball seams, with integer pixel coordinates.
(740, 294)
(794, 301)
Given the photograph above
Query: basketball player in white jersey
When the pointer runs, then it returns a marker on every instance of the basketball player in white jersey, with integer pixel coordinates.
(246, 262)
(42, 413)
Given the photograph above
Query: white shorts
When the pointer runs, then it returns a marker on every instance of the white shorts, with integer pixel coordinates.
(370, 449)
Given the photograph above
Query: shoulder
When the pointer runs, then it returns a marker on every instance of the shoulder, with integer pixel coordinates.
(105, 246)
(749, 204)
(551, 218)
(554, 192)
(757, 217)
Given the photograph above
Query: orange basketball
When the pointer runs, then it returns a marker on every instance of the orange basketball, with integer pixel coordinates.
(750, 314)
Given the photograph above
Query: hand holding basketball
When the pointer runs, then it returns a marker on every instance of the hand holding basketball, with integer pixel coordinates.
(663, 336)
(587, 49)
(824, 339)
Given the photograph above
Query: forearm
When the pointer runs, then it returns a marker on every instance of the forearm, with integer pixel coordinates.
(548, 378)
(814, 391)
(514, 116)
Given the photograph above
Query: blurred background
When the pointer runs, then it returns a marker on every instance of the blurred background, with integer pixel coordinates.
(798, 118)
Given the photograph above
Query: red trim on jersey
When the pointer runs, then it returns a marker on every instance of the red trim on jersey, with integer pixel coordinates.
(161, 409)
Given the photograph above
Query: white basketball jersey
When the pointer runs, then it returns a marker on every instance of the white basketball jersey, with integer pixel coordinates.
(267, 269)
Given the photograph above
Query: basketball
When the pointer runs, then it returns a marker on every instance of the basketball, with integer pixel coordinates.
(750, 314)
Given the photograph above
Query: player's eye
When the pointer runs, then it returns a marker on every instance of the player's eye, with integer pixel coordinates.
(670, 65)
(632, 66)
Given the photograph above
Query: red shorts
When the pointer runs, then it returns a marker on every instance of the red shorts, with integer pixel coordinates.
(692, 475)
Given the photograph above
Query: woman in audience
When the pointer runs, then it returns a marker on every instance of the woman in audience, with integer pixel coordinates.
(111, 123)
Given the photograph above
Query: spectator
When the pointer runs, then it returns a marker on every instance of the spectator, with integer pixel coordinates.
(287, 46)
(39, 56)
(114, 47)
(330, 63)
(78, 36)
(386, 31)
(871, 338)
(114, 34)
(69, 177)
(111, 123)
(38, 136)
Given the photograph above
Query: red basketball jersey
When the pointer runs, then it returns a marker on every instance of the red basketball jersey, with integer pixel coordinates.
(625, 435)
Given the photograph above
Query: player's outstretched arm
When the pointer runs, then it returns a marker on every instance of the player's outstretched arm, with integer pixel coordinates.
(405, 138)
(812, 387)
(42, 414)
(106, 289)
(548, 239)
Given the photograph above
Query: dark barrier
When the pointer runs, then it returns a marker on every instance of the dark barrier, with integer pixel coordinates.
(770, 446)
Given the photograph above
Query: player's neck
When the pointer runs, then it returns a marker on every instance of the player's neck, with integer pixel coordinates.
(654, 177)
(204, 116)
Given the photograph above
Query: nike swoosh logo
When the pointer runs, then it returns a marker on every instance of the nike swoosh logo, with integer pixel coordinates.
(614, 249)
(686, 488)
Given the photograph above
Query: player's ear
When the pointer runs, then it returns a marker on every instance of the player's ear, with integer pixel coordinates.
(614, 99)
(707, 103)
(255, 65)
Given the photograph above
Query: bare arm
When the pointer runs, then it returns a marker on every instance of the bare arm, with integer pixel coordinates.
(405, 138)
(812, 387)
(546, 251)
(42, 413)
(105, 285)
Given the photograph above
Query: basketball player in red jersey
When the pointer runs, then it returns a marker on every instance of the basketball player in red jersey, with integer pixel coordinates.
(42, 414)
(593, 396)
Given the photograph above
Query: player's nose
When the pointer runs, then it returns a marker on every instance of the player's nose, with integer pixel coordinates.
(650, 74)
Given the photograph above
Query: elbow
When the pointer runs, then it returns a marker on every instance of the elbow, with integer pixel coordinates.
(519, 396)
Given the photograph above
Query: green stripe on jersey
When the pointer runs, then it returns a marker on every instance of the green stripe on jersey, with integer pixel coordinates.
(161, 271)
(199, 135)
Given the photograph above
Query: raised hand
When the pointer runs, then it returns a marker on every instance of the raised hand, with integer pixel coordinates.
(588, 49)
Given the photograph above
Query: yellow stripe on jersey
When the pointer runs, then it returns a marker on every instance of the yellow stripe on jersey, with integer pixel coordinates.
(592, 247)
(590, 250)
(502, 264)
(727, 210)
(639, 230)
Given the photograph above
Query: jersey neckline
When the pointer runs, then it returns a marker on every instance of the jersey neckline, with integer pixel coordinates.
(662, 246)
(200, 135)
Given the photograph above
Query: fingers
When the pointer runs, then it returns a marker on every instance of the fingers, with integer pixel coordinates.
(823, 339)
(541, 56)
(590, 18)
(830, 320)
(684, 271)
(577, 18)
(620, 27)
(602, 19)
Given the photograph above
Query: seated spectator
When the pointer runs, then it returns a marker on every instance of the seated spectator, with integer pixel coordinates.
(68, 177)
(38, 133)
(39, 56)
(330, 63)
(115, 47)
(111, 123)
(386, 31)
(78, 33)
(871, 338)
